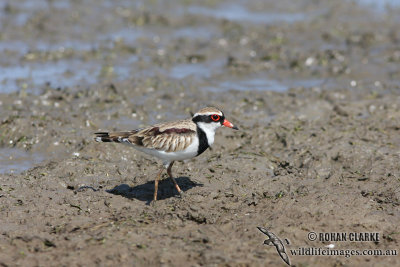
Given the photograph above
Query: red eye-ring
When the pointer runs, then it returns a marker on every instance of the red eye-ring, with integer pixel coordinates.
(215, 117)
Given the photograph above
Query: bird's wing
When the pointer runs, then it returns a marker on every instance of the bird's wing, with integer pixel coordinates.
(264, 231)
(281, 250)
(168, 137)
(284, 256)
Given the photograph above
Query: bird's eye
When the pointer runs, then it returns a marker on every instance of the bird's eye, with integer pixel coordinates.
(215, 117)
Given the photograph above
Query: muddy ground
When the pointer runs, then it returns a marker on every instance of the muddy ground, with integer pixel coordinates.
(313, 86)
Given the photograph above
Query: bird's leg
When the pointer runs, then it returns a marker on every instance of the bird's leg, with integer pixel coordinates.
(156, 183)
(173, 179)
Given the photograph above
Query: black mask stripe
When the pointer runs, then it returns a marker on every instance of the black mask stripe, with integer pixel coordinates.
(207, 119)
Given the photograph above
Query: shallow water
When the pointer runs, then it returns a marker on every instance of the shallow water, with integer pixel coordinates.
(60, 73)
(63, 72)
(198, 70)
(72, 70)
(262, 84)
(15, 160)
(237, 12)
(379, 5)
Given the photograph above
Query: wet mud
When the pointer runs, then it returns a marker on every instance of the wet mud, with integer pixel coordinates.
(313, 86)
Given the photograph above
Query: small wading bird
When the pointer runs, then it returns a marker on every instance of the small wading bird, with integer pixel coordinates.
(273, 240)
(172, 141)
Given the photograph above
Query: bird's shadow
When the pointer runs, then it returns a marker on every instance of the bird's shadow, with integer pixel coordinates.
(145, 192)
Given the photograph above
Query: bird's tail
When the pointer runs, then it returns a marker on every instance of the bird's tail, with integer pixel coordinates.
(117, 137)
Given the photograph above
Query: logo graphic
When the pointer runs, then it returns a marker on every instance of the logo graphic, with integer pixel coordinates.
(273, 240)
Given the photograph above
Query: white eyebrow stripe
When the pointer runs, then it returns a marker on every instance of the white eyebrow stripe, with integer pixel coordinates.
(207, 114)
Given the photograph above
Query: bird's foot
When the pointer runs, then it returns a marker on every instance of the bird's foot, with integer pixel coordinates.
(153, 203)
(181, 194)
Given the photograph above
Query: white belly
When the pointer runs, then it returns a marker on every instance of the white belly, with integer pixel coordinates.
(166, 157)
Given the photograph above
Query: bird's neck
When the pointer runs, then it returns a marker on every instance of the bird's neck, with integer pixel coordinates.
(208, 130)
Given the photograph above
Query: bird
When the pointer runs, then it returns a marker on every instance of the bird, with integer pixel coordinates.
(273, 240)
(172, 141)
